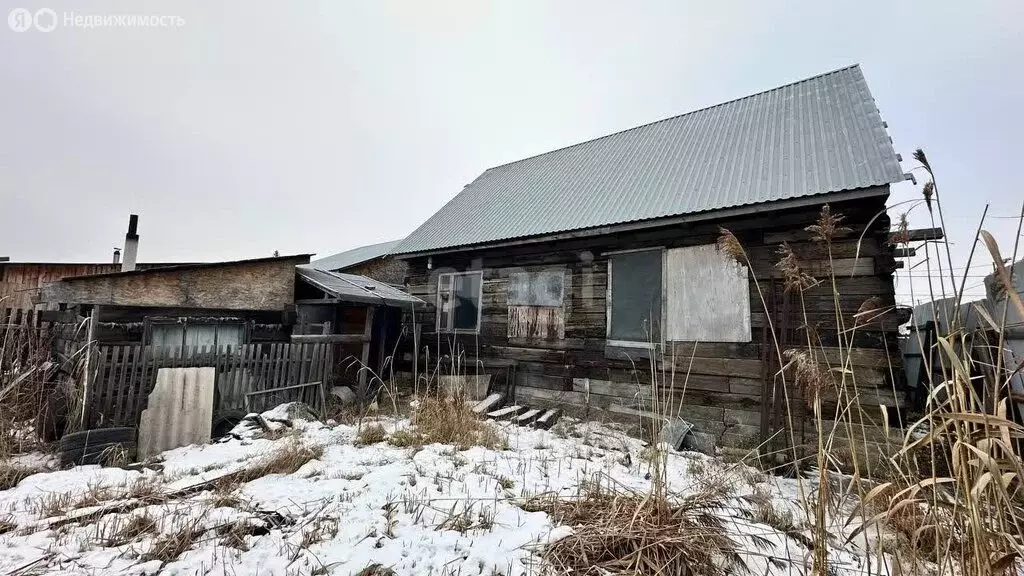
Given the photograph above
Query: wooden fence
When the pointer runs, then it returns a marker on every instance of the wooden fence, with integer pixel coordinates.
(249, 378)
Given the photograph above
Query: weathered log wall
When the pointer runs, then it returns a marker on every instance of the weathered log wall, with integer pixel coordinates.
(566, 360)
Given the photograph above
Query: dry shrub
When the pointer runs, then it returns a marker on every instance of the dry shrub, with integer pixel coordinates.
(376, 570)
(116, 456)
(320, 530)
(452, 421)
(168, 547)
(371, 434)
(625, 532)
(405, 437)
(10, 476)
(223, 495)
(920, 532)
(285, 459)
(136, 526)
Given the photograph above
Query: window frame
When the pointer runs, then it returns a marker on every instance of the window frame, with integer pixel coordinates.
(149, 322)
(609, 307)
(451, 312)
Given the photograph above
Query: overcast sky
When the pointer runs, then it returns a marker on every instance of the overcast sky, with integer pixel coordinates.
(317, 127)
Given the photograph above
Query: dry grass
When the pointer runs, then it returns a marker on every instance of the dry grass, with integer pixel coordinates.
(371, 434)
(10, 475)
(136, 526)
(948, 490)
(286, 458)
(617, 531)
(168, 547)
(451, 421)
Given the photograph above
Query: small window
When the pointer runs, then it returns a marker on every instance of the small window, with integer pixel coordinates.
(176, 335)
(544, 288)
(458, 301)
(635, 296)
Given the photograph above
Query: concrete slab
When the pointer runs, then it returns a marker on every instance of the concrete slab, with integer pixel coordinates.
(507, 412)
(527, 418)
(489, 404)
(548, 419)
(179, 411)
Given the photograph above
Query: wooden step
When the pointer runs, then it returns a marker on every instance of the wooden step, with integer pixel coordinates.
(506, 412)
(527, 418)
(548, 419)
(488, 404)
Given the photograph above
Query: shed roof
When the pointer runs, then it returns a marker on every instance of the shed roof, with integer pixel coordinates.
(355, 256)
(355, 288)
(301, 258)
(816, 136)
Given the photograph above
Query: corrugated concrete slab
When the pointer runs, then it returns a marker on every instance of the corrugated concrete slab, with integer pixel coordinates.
(179, 412)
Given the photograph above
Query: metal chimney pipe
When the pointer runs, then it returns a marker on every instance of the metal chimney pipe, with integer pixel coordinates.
(117, 255)
(131, 244)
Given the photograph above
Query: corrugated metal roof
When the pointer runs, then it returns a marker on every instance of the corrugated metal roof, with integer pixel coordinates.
(350, 258)
(354, 288)
(815, 136)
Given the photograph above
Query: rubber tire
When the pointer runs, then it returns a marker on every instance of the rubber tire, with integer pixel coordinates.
(94, 454)
(224, 421)
(98, 437)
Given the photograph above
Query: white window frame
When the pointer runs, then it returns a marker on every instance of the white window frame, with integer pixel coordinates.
(608, 303)
(451, 310)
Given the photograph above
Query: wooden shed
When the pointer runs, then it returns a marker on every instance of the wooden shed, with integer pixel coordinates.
(273, 330)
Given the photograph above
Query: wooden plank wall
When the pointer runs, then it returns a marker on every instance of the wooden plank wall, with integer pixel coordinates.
(121, 377)
(723, 381)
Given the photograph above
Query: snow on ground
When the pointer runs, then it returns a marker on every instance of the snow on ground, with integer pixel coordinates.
(430, 510)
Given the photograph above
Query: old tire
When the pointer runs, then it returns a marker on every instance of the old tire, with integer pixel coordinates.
(224, 421)
(102, 454)
(88, 439)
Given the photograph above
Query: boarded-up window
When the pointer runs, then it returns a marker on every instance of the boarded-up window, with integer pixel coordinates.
(542, 322)
(544, 288)
(708, 296)
(458, 301)
(535, 304)
(635, 299)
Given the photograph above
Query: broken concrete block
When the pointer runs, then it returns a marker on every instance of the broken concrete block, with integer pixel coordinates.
(507, 412)
(527, 418)
(488, 404)
(548, 419)
(674, 433)
(343, 395)
(700, 442)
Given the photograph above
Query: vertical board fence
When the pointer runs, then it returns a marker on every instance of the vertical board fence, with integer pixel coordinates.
(249, 378)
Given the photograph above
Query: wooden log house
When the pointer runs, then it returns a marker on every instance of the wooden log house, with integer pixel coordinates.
(594, 268)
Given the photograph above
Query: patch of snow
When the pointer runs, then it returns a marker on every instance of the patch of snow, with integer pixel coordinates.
(424, 510)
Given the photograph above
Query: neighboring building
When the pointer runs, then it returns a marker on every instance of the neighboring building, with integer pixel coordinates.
(21, 281)
(217, 303)
(569, 264)
(372, 261)
(273, 329)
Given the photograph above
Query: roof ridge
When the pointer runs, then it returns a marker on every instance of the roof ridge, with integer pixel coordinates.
(610, 134)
